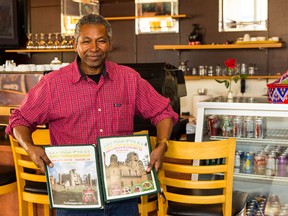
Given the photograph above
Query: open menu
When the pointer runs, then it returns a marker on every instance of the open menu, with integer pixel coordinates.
(86, 176)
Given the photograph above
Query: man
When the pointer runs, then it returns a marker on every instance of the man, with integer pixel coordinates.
(92, 97)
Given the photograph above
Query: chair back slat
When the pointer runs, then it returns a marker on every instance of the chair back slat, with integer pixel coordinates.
(33, 177)
(195, 199)
(194, 169)
(195, 184)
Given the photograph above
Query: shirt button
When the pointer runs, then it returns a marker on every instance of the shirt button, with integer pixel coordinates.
(99, 109)
(101, 130)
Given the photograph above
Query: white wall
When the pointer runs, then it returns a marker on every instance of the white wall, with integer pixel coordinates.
(254, 88)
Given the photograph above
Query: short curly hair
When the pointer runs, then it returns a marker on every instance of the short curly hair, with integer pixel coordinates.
(93, 19)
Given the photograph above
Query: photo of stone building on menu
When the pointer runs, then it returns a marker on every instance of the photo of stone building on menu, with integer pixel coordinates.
(122, 177)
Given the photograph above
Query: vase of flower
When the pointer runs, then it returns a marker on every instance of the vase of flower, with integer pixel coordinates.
(230, 95)
(234, 76)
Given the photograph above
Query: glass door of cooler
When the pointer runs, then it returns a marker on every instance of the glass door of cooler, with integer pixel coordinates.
(261, 154)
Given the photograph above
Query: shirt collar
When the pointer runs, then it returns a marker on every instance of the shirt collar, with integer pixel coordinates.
(80, 75)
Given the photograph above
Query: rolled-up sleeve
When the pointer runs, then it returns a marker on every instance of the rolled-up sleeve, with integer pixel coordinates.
(33, 109)
(151, 105)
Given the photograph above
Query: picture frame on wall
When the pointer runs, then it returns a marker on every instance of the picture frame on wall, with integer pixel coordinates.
(9, 24)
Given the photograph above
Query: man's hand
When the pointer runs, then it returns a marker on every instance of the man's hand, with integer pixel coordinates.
(157, 157)
(39, 157)
(36, 153)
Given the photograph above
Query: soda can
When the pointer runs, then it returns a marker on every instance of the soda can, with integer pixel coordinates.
(214, 125)
(259, 127)
(248, 162)
(237, 162)
(226, 126)
(271, 164)
(248, 127)
(281, 163)
(260, 163)
(237, 126)
(241, 154)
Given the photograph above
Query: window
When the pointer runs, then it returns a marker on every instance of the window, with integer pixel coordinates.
(243, 15)
(155, 16)
(73, 10)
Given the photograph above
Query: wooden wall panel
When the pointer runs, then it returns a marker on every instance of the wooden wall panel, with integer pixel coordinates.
(45, 3)
(45, 19)
(130, 48)
(123, 44)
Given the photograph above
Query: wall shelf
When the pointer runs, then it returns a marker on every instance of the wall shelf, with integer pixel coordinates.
(228, 77)
(143, 17)
(38, 50)
(219, 46)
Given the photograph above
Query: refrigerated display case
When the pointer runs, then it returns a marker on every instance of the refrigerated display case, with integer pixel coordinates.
(263, 171)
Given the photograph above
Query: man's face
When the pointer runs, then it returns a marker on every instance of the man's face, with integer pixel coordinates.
(92, 47)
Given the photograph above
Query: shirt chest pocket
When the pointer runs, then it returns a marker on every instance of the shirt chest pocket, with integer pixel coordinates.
(123, 118)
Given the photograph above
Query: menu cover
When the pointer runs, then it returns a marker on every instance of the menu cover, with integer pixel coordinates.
(124, 162)
(85, 177)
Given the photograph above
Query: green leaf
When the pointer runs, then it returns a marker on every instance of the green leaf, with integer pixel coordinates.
(236, 78)
(220, 81)
(243, 76)
(226, 84)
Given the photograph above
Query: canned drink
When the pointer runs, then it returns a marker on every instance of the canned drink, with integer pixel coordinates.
(260, 198)
(213, 125)
(281, 163)
(268, 148)
(237, 162)
(260, 163)
(249, 212)
(241, 154)
(259, 127)
(237, 126)
(271, 164)
(248, 162)
(226, 127)
(248, 127)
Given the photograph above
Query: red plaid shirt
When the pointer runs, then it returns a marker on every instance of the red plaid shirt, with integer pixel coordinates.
(79, 110)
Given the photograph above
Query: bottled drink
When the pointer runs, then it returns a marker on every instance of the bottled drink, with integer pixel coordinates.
(195, 37)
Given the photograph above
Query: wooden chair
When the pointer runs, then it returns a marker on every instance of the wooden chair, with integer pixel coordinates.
(148, 204)
(31, 183)
(207, 194)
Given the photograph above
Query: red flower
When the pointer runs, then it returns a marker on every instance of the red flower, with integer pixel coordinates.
(230, 63)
